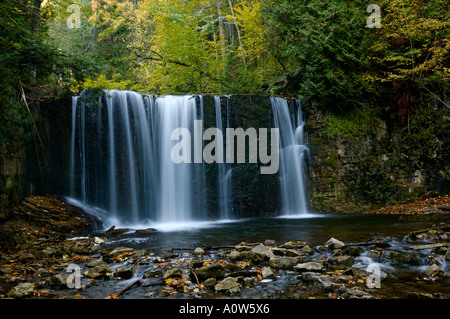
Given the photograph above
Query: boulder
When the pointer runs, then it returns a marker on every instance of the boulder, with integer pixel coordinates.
(435, 271)
(251, 256)
(339, 262)
(310, 266)
(267, 273)
(284, 262)
(173, 272)
(95, 263)
(210, 282)
(333, 243)
(210, 271)
(22, 290)
(234, 255)
(229, 285)
(403, 258)
(264, 251)
(353, 251)
(59, 280)
(294, 244)
(317, 281)
(198, 251)
(124, 272)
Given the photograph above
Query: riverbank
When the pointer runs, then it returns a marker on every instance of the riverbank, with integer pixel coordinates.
(49, 265)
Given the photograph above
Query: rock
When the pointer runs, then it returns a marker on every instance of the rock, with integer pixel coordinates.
(201, 274)
(286, 252)
(244, 273)
(173, 272)
(198, 251)
(124, 273)
(270, 242)
(102, 271)
(210, 282)
(284, 262)
(353, 251)
(21, 290)
(403, 258)
(145, 231)
(251, 256)
(267, 273)
(264, 251)
(27, 257)
(442, 207)
(333, 243)
(98, 240)
(310, 266)
(435, 271)
(294, 244)
(418, 295)
(317, 281)
(48, 251)
(242, 247)
(234, 255)
(95, 263)
(115, 232)
(361, 271)
(306, 250)
(119, 250)
(447, 255)
(229, 285)
(339, 262)
(59, 280)
(357, 293)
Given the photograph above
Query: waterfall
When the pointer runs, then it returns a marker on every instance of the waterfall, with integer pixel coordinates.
(122, 162)
(224, 184)
(292, 152)
(121, 157)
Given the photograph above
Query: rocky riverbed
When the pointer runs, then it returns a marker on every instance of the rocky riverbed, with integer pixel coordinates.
(41, 262)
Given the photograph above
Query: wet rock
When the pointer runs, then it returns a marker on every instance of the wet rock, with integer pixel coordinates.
(229, 285)
(435, 271)
(294, 244)
(198, 251)
(306, 250)
(418, 295)
(339, 262)
(234, 255)
(210, 282)
(210, 271)
(284, 262)
(27, 257)
(242, 247)
(357, 293)
(263, 251)
(118, 251)
(270, 242)
(100, 272)
(310, 266)
(95, 263)
(145, 231)
(59, 280)
(402, 258)
(21, 290)
(115, 232)
(49, 251)
(244, 273)
(172, 273)
(125, 272)
(251, 256)
(353, 251)
(286, 252)
(317, 281)
(333, 243)
(267, 273)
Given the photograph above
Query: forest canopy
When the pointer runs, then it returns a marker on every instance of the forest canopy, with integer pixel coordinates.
(321, 51)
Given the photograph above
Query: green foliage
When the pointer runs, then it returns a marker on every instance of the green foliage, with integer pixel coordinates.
(356, 124)
(319, 46)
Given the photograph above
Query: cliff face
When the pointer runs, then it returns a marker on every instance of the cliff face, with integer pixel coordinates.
(368, 159)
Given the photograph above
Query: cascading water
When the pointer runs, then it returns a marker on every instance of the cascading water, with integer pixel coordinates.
(121, 161)
(224, 181)
(292, 152)
(121, 158)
